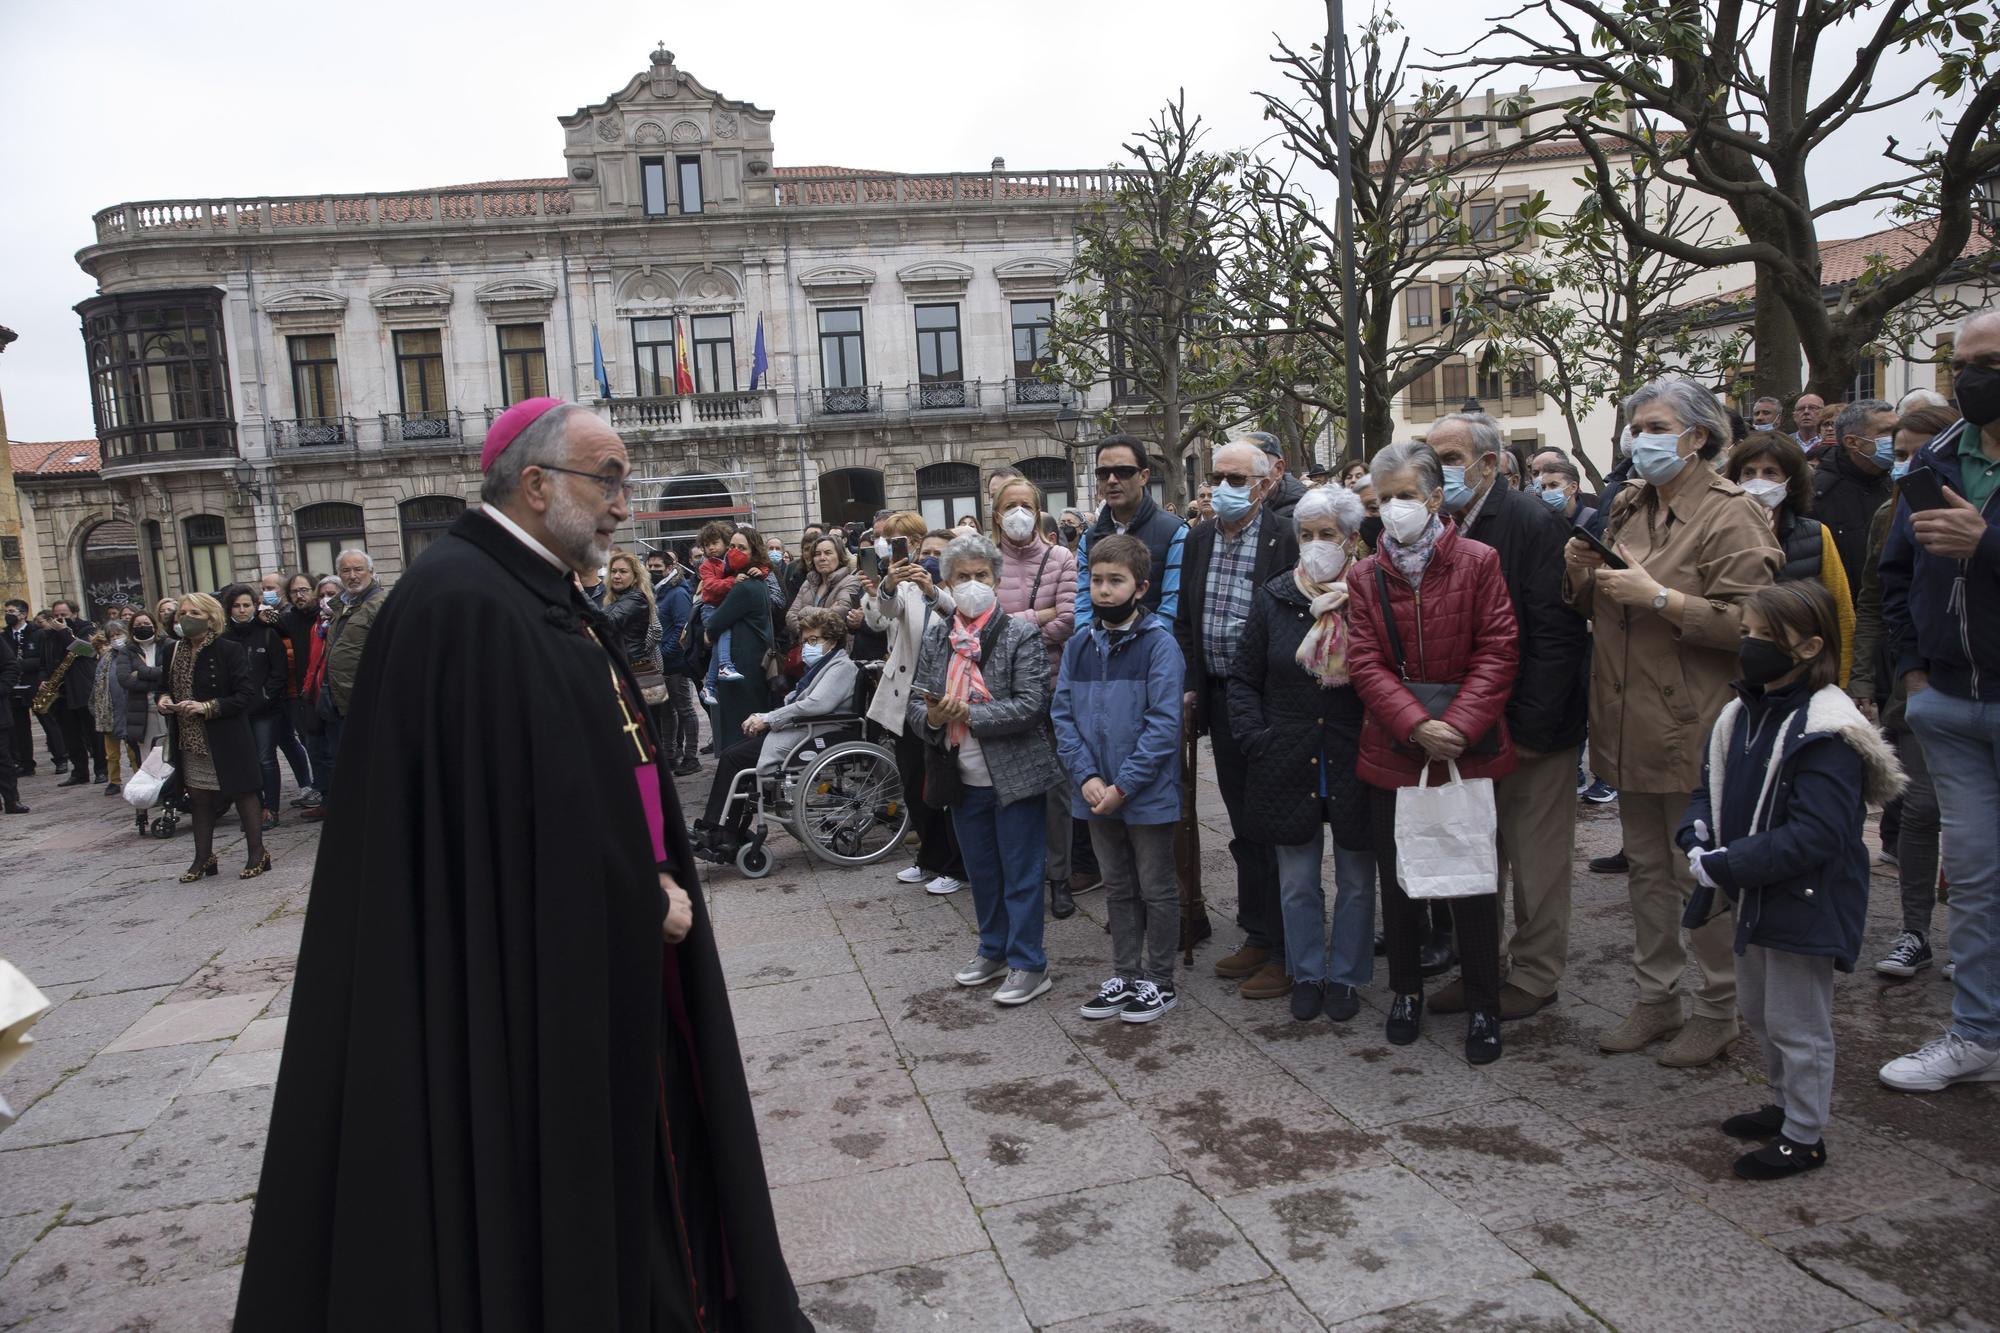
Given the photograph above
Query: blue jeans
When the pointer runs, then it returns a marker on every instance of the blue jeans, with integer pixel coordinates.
(272, 731)
(1961, 740)
(1004, 853)
(1304, 905)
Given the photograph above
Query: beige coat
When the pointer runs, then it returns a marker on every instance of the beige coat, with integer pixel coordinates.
(1655, 688)
(902, 616)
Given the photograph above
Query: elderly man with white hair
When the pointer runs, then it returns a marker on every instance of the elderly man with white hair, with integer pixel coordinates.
(360, 598)
(1222, 566)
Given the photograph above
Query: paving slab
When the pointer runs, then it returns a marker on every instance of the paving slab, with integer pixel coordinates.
(112, 1094)
(1256, 1133)
(205, 1304)
(1264, 1306)
(1928, 1263)
(1187, 1049)
(99, 1016)
(813, 1130)
(183, 1022)
(819, 1053)
(1527, 1306)
(966, 1295)
(1511, 1163)
(1046, 1135)
(1371, 1240)
(53, 1178)
(1553, 1058)
(1670, 1265)
(237, 1069)
(19, 1232)
(907, 961)
(886, 1219)
(956, 1037)
(263, 1034)
(795, 1006)
(73, 1268)
(808, 923)
(1118, 1247)
(237, 978)
(1365, 1078)
(202, 1148)
(786, 960)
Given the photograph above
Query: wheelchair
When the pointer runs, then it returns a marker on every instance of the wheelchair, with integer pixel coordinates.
(838, 792)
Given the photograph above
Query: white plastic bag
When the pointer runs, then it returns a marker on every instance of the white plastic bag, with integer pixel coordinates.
(142, 789)
(1447, 837)
(20, 1006)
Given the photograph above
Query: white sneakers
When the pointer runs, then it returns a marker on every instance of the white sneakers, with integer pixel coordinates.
(944, 884)
(1939, 1064)
(910, 875)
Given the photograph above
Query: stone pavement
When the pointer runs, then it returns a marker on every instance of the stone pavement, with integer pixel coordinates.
(939, 1163)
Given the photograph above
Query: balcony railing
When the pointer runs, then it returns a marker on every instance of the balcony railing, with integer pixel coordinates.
(1037, 393)
(312, 432)
(993, 398)
(848, 400)
(884, 190)
(938, 394)
(422, 427)
(690, 409)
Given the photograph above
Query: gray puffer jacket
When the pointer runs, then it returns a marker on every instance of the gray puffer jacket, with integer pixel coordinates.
(1012, 729)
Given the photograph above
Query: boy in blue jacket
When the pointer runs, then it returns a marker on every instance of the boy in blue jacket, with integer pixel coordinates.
(1117, 715)
(1777, 827)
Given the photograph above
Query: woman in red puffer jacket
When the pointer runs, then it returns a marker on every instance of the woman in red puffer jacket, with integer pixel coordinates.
(1455, 621)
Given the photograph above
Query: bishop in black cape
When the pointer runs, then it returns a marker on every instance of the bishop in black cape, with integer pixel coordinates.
(504, 1104)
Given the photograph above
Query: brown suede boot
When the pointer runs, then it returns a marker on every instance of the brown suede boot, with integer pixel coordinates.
(1270, 983)
(1647, 1023)
(1517, 1003)
(1448, 999)
(1243, 962)
(1703, 1041)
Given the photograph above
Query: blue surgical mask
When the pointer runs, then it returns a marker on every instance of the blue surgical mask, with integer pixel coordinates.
(1764, 426)
(1555, 498)
(1899, 469)
(1457, 495)
(1657, 457)
(811, 652)
(1885, 451)
(1231, 501)
(270, 598)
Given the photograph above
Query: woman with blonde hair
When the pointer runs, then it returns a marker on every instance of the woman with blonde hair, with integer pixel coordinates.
(207, 701)
(630, 610)
(831, 583)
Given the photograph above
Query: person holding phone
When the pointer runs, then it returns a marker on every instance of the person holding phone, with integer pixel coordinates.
(1666, 632)
(1941, 616)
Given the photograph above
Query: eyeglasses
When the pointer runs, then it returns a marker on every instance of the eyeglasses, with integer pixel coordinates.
(614, 485)
(1232, 479)
(1121, 471)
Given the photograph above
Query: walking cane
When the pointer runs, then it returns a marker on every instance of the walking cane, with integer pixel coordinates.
(1187, 858)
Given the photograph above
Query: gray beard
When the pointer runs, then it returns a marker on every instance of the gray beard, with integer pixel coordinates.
(573, 532)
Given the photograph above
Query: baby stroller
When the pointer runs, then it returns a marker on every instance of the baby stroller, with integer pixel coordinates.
(171, 802)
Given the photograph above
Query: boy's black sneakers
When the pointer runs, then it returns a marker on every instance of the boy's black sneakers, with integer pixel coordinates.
(1780, 1158)
(1110, 1000)
(1148, 1002)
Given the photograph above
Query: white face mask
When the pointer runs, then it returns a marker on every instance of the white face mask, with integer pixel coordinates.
(973, 599)
(1768, 493)
(1018, 523)
(1405, 520)
(882, 548)
(1322, 561)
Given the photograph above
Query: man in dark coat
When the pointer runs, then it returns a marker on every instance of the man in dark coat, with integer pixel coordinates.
(511, 1095)
(1225, 563)
(10, 673)
(1123, 473)
(1547, 709)
(24, 639)
(1852, 480)
(1286, 489)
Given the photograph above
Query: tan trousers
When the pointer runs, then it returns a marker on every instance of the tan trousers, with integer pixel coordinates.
(1536, 804)
(113, 767)
(1660, 884)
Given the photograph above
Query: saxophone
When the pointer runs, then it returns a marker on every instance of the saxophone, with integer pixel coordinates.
(48, 691)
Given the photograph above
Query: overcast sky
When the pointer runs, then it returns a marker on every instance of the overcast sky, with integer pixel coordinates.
(133, 99)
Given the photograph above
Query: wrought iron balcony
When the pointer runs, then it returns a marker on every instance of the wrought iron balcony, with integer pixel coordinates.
(849, 400)
(1037, 393)
(422, 427)
(312, 432)
(937, 394)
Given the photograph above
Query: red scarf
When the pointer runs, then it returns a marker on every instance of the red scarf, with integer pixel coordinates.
(962, 679)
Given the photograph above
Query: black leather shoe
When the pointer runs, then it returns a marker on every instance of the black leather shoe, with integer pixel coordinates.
(1614, 864)
(1482, 1039)
(1381, 944)
(75, 780)
(1307, 999)
(1779, 1158)
(1061, 906)
(1405, 1018)
(1436, 958)
(1342, 1002)
(18, 809)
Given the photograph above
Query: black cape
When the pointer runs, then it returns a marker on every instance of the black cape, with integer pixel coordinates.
(483, 1046)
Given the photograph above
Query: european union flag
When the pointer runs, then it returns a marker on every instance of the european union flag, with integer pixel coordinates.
(759, 362)
(597, 358)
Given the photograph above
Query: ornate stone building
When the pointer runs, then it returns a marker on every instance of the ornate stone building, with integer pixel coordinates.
(277, 378)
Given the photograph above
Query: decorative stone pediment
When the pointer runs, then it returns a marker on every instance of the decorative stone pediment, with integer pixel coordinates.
(937, 277)
(837, 280)
(516, 298)
(1031, 274)
(305, 308)
(411, 303)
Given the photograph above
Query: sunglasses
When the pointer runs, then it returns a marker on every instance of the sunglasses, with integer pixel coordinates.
(1122, 472)
(1231, 479)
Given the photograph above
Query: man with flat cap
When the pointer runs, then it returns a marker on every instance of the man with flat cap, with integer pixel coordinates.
(511, 1096)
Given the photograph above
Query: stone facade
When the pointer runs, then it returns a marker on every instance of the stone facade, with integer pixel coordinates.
(348, 350)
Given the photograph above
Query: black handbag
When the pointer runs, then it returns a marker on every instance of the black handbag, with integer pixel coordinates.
(1435, 696)
(943, 783)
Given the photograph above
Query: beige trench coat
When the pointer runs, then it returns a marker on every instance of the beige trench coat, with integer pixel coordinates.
(1655, 688)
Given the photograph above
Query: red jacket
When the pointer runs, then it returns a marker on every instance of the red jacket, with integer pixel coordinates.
(315, 665)
(1460, 630)
(716, 580)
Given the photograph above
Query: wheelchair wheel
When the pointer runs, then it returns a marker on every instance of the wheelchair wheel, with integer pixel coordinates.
(753, 860)
(848, 808)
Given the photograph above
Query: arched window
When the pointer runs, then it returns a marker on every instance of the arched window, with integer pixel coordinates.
(425, 519)
(111, 568)
(208, 564)
(325, 530)
(671, 510)
(851, 495)
(947, 492)
(159, 380)
(1053, 475)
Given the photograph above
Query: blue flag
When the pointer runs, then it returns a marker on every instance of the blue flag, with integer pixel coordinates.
(759, 362)
(597, 358)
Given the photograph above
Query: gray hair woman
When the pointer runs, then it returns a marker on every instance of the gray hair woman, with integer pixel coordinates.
(1666, 630)
(1291, 700)
(981, 695)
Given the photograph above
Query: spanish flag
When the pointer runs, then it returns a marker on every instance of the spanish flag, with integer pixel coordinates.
(683, 381)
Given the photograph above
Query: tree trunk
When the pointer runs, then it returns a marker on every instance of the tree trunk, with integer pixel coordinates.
(1777, 341)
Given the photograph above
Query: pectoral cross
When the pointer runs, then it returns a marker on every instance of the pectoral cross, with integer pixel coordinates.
(631, 727)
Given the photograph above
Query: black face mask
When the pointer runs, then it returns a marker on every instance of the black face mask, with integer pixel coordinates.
(1117, 613)
(142, 632)
(1371, 531)
(1760, 661)
(1978, 391)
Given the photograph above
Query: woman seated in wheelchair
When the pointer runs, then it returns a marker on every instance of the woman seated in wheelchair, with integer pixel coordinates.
(826, 687)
